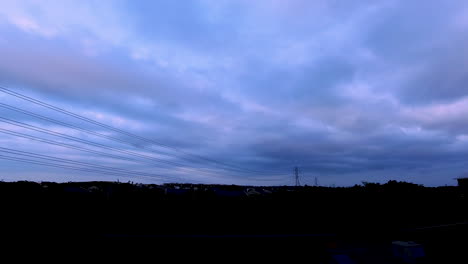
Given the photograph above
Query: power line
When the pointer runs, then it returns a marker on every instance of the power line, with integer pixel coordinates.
(121, 174)
(12, 108)
(19, 110)
(63, 166)
(296, 176)
(51, 142)
(86, 164)
(83, 141)
(63, 111)
(78, 128)
(56, 143)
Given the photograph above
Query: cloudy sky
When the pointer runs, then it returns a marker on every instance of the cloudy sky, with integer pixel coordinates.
(239, 91)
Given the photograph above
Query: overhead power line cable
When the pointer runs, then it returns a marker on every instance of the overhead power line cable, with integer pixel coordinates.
(56, 143)
(16, 109)
(83, 149)
(30, 161)
(83, 141)
(94, 144)
(73, 162)
(129, 134)
(81, 129)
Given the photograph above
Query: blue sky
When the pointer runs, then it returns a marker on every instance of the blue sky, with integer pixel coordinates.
(349, 91)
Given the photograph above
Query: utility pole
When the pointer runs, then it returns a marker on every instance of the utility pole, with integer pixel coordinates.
(296, 173)
(316, 181)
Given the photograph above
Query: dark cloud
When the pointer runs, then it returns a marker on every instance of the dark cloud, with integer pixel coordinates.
(426, 45)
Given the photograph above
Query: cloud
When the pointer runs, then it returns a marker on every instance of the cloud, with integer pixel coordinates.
(448, 117)
(347, 91)
(423, 48)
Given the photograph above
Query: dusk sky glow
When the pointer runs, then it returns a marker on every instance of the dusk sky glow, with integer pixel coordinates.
(348, 91)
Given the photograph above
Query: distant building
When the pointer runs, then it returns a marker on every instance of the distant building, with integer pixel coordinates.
(463, 185)
(252, 192)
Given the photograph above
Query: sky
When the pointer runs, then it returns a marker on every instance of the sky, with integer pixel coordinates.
(348, 91)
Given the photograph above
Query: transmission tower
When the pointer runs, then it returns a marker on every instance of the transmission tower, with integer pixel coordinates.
(296, 175)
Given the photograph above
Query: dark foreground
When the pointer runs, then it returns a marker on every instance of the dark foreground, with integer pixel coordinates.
(198, 222)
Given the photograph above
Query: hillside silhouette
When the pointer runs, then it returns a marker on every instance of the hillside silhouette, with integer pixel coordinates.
(370, 215)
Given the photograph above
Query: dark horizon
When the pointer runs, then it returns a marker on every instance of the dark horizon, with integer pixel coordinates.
(359, 224)
(117, 181)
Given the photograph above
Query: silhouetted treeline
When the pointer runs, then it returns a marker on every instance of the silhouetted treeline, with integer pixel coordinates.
(257, 209)
(113, 210)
